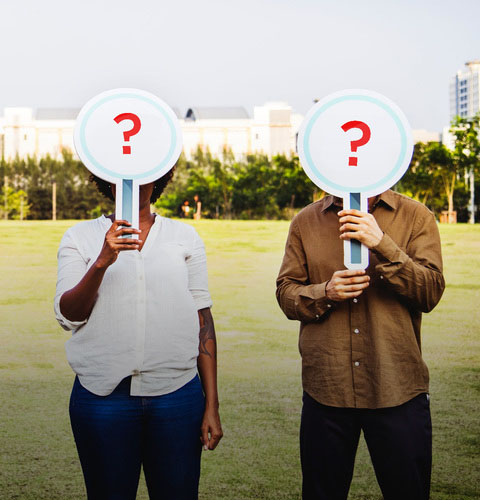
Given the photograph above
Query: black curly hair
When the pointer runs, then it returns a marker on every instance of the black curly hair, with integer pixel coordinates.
(159, 185)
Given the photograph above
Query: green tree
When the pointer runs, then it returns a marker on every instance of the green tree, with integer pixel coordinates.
(77, 197)
(436, 178)
(443, 166)
(14, 204)
(293, 187)
(418, 181)
(254, 194)
(210, 178)
(466, 153)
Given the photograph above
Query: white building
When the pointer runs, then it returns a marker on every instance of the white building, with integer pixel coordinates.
(272, 130)
(24, 133)
(422, 135)
(465, 91)
(464, 97)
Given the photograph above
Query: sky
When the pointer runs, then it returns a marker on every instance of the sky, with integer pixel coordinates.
(60, 53)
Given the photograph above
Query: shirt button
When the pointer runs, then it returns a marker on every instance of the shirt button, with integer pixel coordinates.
(381, 277)
(317, 316)
(356, 330)
(355, 300)
(135, 372)
(357, 363)
(329, 305)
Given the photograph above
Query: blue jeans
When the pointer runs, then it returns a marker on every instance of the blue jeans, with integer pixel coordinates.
(116, 434)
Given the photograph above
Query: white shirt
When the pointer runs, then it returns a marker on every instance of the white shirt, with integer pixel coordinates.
(144, 322)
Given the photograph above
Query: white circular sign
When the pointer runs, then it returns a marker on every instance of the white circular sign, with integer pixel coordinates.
(128, 134)
(355, 141)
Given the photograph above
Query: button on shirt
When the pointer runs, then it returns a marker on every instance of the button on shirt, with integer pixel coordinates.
(364, 352)
(144, 322)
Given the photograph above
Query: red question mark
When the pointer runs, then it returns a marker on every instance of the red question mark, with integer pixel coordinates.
(352, 160)
(137, 124)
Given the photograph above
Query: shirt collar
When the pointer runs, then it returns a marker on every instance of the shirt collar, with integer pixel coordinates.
(331, 200)
(387, 197)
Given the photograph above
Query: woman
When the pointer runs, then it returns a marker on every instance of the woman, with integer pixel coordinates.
(140, 314)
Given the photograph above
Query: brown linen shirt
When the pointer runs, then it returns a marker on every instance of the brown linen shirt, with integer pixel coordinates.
(363, 352)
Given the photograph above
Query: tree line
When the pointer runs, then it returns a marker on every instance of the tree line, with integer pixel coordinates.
(444, 179)
(252, 187)
(28, 185)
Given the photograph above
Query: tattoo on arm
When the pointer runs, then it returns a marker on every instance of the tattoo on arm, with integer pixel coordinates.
(207, 332)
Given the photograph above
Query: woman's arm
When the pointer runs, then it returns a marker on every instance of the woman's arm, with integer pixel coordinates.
(207, 367)
(77, 303)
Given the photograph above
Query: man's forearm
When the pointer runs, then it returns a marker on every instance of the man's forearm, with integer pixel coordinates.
(417, 277)
(305, 303)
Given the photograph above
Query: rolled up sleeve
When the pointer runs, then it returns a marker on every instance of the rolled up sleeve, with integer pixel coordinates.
(71, 269)
(197, 274)
(416, 272)
(298, 298)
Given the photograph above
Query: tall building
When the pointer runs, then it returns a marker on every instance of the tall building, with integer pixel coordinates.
(465, 102)
(465, 91)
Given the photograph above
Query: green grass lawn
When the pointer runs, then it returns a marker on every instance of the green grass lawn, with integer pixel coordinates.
(259, 370)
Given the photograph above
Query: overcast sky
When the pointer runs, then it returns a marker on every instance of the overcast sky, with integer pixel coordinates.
(59, 53)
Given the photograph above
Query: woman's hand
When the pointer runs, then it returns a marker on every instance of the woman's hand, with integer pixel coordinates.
(76, 304)
(211, 428)
(114, 243)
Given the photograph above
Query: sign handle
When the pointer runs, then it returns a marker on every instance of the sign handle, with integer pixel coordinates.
(126, 203)
(355, 254)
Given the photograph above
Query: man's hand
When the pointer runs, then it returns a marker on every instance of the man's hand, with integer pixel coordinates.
(360, 226)
(346, 284)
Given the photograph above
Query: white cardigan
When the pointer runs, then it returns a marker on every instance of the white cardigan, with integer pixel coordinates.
(144, 322)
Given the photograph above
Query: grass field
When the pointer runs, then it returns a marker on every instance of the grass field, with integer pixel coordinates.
(259, 370)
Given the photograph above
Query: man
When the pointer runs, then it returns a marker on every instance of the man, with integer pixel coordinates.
(362, 367)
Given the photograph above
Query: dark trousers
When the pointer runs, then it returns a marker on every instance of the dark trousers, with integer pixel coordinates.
(116, 434)
(399, 440)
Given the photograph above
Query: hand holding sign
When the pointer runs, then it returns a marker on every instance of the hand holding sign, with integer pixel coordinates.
(151, 145)
(355, 144)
